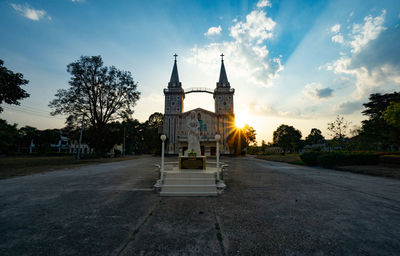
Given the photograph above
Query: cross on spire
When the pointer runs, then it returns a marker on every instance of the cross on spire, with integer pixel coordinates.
(222, 57)
(175, 55)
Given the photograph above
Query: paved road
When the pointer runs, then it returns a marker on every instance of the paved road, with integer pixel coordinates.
(268, 208)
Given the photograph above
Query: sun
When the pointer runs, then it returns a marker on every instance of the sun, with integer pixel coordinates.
(241, 119)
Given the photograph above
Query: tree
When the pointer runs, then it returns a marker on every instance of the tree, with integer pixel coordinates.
(102, 94)
(249, 134)
(338, 128)
(315, 137)
(376, 131)
(8, 137)
(10, 90)
(392, 114)
(263, 146)
(151, 138)
(27, 134)
(287, 137)
(240, 139)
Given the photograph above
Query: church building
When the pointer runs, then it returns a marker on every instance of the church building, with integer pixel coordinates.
(221, 121)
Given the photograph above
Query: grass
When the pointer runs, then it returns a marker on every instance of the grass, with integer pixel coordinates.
(25, 165)
(287, 158)
(374, 170)
(391, 171)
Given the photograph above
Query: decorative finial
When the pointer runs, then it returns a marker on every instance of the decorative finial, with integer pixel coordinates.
(175, 55)
(222, 57)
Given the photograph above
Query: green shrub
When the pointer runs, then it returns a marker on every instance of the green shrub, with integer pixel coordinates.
(311, 157)
(329, 159)
(390, 159)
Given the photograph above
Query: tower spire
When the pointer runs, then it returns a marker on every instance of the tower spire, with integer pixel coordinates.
(223, 78)
(174, 81)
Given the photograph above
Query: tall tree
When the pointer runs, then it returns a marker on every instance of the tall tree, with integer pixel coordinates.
(102, 94)
(10, 90)
(315, 137)
(287, 137)
(376, 130)
(8, 137)
(150, 133)
(392, 114)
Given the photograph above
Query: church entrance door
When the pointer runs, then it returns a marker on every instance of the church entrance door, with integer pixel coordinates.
(213, 151)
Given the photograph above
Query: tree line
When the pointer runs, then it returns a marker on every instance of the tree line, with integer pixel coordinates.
(379, 132)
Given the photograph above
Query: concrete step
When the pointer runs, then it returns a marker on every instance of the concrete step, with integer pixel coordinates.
(188, 193)
(190, 181)
(189, 175)
(189, 188)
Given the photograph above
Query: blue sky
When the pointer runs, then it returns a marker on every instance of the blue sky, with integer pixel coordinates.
(294, 62)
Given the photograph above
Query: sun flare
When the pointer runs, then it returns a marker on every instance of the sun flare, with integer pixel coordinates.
(241, 119)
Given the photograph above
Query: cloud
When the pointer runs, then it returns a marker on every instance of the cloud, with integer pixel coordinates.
(263, 110)
(317, 91)
(335, 28)
(29, 12)
(248, 55)
(212, 31)
(338, 39)
(348, 107)
(373, 58)
(370, 30)
(264, 3)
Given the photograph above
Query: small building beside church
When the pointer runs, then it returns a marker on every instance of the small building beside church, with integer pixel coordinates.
(221, 121)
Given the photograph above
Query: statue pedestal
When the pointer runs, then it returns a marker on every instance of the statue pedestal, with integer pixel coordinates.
(192, 162)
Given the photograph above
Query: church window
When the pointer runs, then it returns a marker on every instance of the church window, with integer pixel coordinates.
(177, 97)
(177, 109)
(173, 103)
(167, 97)
(167, 109)
(220, 97)
(224, 103)
(204, 127)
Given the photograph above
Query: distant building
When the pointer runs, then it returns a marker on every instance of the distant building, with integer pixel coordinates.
(222, 121)
(62, 145)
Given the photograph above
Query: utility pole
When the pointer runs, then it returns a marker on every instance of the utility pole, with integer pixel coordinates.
(78, 156)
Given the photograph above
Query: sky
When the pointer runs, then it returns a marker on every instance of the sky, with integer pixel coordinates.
(299, 63)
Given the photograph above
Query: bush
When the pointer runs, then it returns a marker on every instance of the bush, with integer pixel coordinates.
(390, 159)
(311, 157)
(328, 159)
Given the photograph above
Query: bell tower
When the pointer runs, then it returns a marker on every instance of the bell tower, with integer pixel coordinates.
(223, 98)
(174, 97)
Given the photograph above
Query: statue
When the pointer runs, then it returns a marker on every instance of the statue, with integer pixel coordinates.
(193, 134)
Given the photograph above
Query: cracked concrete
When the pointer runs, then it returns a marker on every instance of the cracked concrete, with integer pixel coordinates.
(268, 208)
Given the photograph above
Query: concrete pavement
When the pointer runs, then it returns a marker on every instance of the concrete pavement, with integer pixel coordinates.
(269, 208)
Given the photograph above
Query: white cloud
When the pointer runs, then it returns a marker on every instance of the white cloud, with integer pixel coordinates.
(29, 12)
(335, 28)
(248, 55)
(348, 107)
(265, 110)
(213, 31)
(364, 33)
(338, 39)
(317, 91)
(372, 60)
(264, 3)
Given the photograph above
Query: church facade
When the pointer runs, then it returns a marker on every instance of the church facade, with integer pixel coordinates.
(221, 121)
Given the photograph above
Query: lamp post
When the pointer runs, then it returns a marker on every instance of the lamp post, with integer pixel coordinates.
(217, 138)
(163, 138)
(78, 156)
